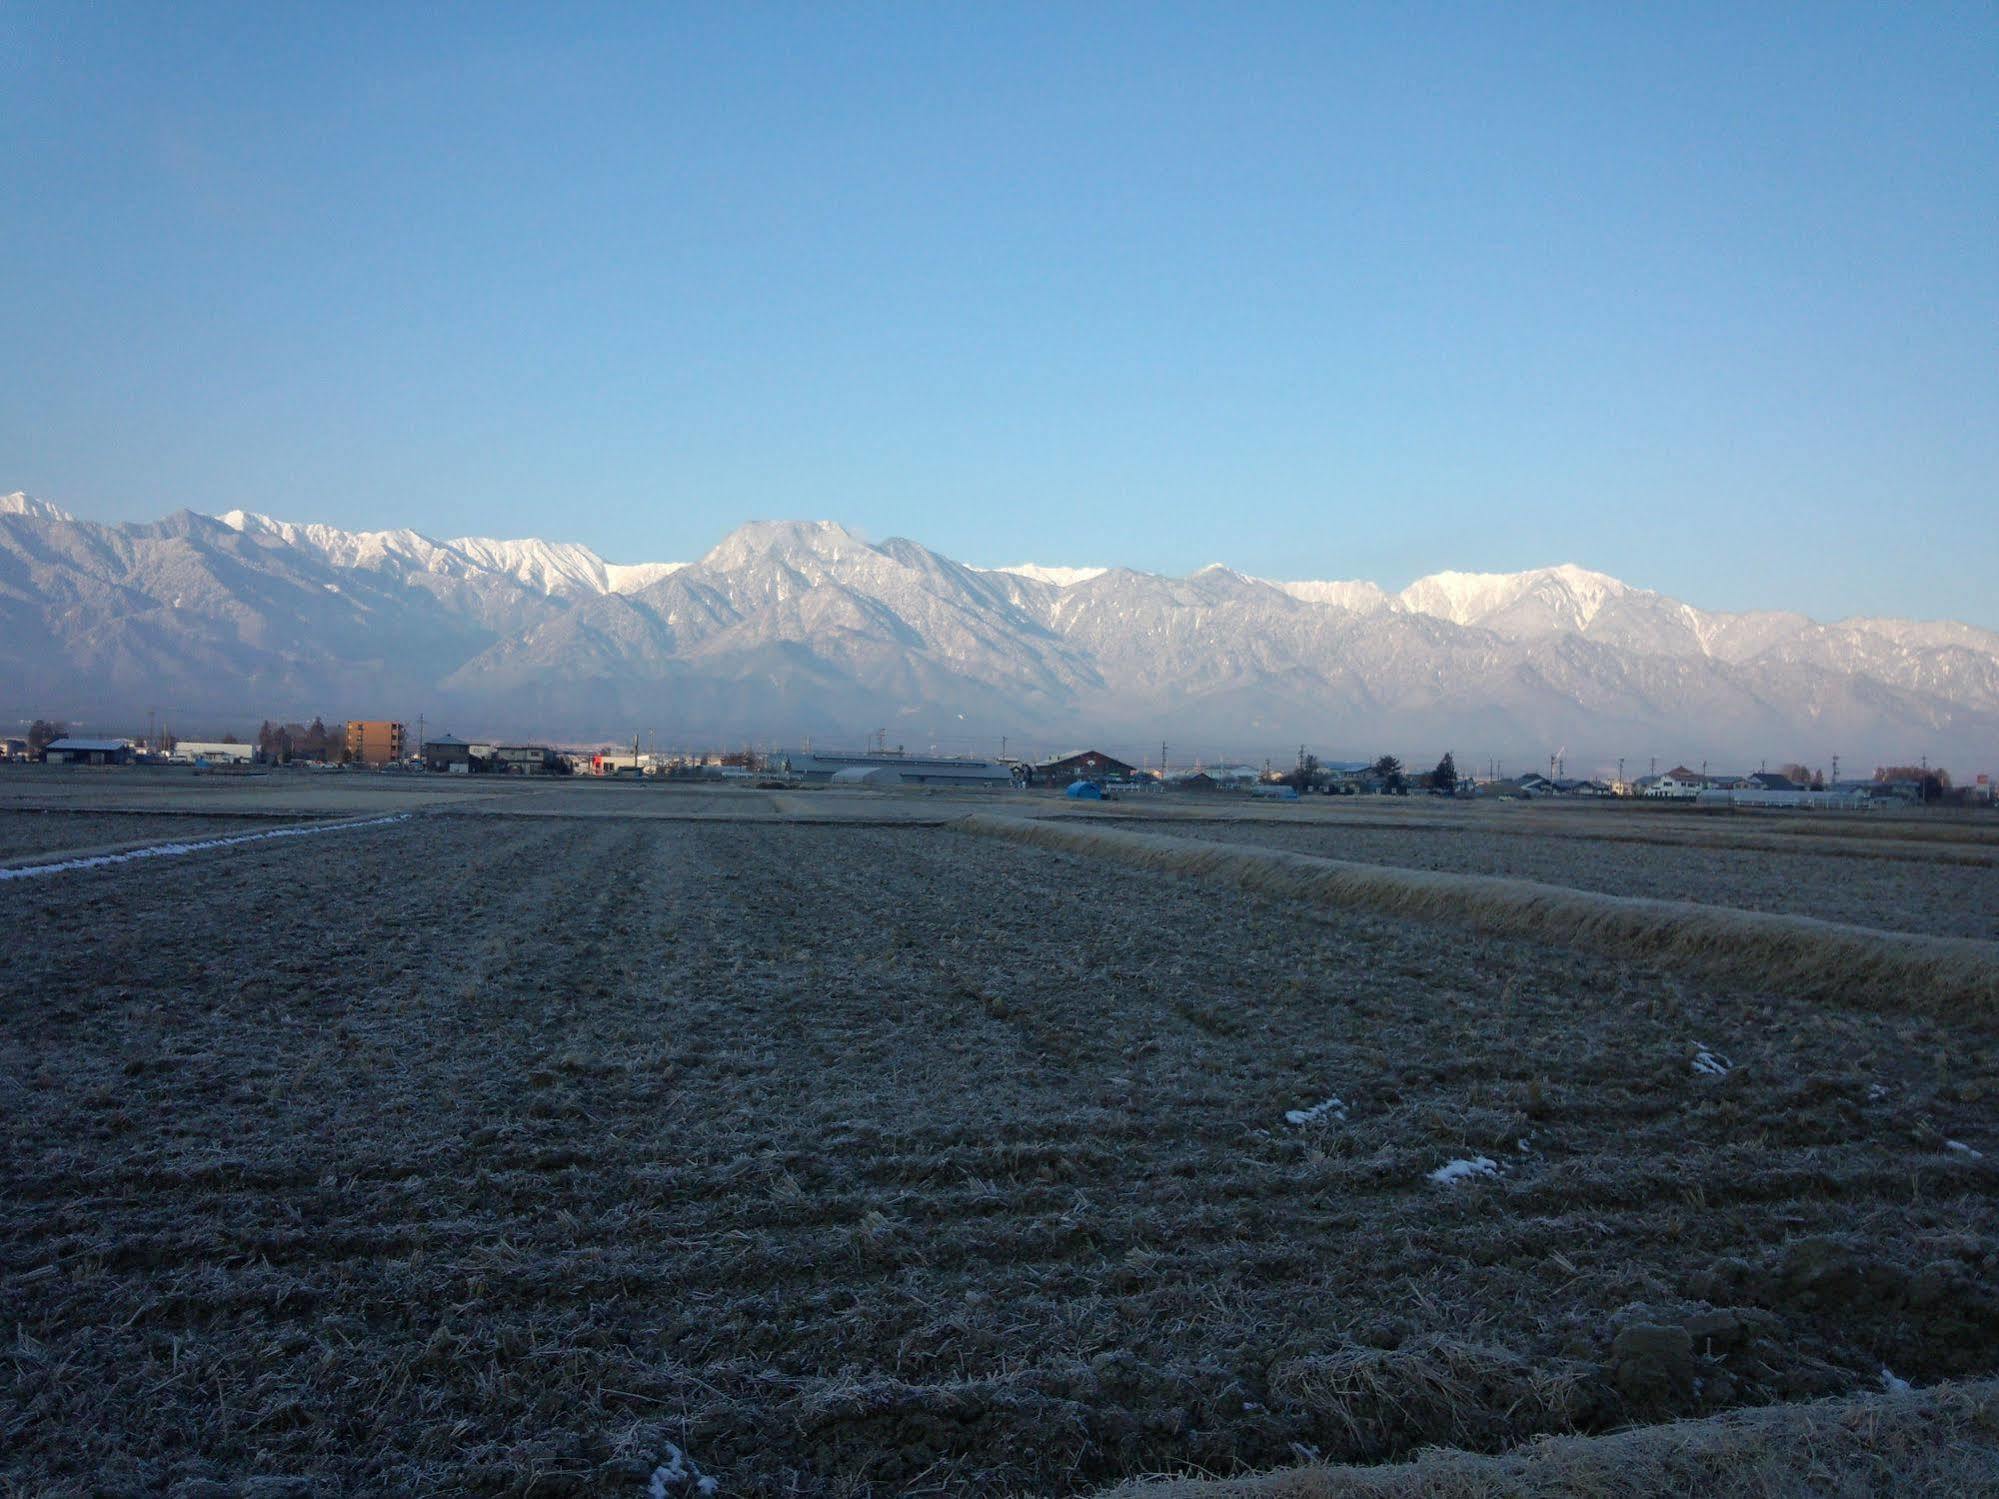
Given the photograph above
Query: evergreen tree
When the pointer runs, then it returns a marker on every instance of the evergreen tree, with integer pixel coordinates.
(1445, 777)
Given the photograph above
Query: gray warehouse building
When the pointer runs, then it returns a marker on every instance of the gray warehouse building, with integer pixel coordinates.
(819, 767)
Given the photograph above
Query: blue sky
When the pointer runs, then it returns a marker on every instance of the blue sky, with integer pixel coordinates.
(1707, 297)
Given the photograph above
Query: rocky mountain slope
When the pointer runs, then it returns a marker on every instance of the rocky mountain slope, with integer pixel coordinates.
(790, 628)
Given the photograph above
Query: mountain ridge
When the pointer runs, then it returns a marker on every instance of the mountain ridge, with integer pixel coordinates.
(788, 627)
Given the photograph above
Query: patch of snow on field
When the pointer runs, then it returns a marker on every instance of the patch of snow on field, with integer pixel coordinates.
(1876, 1092)
(1332, 1107)
(1893, 1383)
(1711, 1063)
(1452, 1172)
(1963, 1149)
(169, 850)
(678, 1474)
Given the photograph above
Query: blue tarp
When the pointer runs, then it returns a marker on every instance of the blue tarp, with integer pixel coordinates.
(1088, 791)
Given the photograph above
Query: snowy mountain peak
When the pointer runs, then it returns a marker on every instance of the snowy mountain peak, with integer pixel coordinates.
(1358, 596)
(1571, 596)
(555, 567)
(22, 503)
(811, 542)
(1055, 577)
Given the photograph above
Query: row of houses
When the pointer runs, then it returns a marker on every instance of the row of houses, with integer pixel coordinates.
(367, 742)
(385, 743)
(1770, 788)
(451, 755)
(1760, 788)
(1682, 784)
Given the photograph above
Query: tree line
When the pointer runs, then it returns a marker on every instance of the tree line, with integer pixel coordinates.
(280, 744)
(1387, 770)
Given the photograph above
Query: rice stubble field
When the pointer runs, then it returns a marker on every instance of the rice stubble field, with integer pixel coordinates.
(518, 1154)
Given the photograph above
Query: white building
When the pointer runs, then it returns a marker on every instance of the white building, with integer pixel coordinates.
(1677, 784)
(189, 751)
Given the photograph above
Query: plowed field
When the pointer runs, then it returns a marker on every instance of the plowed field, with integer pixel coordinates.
(504, 1154)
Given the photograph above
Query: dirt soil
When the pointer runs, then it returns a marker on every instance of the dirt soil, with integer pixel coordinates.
(1903, 895)
(869, 1160)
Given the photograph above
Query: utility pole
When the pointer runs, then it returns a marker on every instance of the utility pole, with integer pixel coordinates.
(1835, 770)
(419, 736)
(1620, 770)
(1162, 757)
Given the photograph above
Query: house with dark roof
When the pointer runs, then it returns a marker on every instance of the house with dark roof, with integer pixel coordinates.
(447, 752)
(1080, 765)
(523, 760)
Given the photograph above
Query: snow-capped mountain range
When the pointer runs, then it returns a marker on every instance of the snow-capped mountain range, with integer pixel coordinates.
(550, 567)
(789, 628)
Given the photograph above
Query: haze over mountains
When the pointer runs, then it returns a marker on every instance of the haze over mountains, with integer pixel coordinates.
(789, 628)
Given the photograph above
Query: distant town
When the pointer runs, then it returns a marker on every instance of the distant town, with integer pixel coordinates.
(387, 745)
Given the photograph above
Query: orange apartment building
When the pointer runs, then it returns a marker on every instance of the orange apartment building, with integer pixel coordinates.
(374, 741)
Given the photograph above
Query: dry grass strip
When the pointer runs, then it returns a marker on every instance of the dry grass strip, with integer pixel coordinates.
(1819, 841)
(1798, 954)
(1939, 1441)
